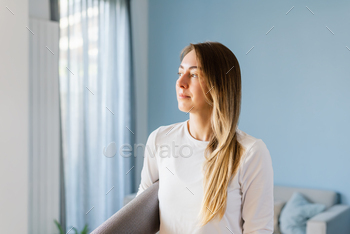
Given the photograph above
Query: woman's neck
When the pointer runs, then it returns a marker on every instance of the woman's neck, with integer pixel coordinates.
(199, 128)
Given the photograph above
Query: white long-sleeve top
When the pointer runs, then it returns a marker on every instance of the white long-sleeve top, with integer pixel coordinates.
(174, 157)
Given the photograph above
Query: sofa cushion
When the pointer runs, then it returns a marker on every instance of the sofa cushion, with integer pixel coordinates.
(277, 211)
(296, 212)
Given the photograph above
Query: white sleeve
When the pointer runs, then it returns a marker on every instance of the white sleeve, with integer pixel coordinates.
(257, 190)
(150, 172)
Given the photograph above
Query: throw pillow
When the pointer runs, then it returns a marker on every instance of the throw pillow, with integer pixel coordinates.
(296, 212)
(277, 211)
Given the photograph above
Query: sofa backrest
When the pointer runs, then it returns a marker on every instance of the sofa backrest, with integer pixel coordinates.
(326, 197)
(141, 215)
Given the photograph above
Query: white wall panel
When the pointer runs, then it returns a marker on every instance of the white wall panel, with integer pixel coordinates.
(44, 200)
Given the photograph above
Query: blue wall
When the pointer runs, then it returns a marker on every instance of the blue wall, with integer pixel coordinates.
(296, 79)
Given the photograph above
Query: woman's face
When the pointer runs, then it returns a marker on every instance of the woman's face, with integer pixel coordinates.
(188, 84)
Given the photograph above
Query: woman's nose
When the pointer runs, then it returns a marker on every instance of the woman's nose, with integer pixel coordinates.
(183, 80)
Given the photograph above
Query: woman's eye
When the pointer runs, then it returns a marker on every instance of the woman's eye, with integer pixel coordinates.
(192, 75)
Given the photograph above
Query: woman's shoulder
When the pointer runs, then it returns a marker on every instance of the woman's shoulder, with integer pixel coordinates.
(256, 154)
(249, 141)
(164, 131)
(170, 127)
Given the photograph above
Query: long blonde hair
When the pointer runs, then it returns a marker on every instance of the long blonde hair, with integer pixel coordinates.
(220, 71)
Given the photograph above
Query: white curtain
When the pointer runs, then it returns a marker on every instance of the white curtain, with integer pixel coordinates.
(97, 102)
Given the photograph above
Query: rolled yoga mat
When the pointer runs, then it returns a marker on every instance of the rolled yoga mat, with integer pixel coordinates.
(140, 215)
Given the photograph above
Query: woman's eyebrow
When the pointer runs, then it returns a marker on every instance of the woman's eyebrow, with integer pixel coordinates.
(192, 67)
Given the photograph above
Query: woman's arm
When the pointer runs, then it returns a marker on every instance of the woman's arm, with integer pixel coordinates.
(257, 190)
(150, 172)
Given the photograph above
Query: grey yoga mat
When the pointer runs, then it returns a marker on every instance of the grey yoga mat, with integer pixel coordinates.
(140, 215)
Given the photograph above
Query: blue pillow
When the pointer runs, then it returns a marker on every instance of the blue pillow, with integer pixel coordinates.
(296, 212)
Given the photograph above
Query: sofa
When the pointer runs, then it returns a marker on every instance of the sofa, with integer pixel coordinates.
(137, 216)
(335, 219)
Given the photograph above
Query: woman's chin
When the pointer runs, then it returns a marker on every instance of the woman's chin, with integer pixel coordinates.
(184, 108)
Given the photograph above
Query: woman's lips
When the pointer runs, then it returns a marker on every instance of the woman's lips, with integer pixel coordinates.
(181, 96)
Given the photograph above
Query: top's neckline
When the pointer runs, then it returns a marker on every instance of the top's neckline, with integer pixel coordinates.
(194, 139)
(191, 137)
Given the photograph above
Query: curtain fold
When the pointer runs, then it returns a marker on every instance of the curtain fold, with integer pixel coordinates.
(97, 109)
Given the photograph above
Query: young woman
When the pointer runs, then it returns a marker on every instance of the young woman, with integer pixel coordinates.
(213, 177)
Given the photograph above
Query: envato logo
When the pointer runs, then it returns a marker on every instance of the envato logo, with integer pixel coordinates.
(162, 150)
